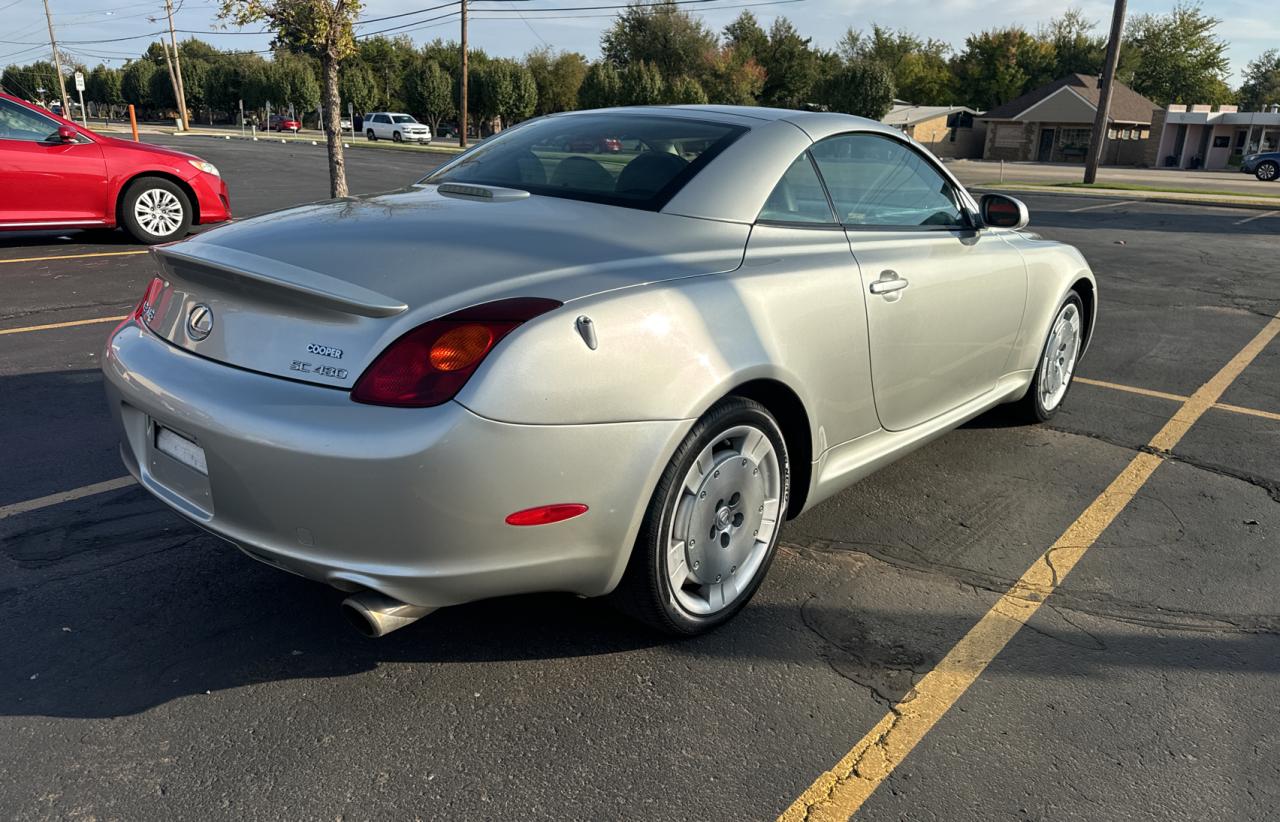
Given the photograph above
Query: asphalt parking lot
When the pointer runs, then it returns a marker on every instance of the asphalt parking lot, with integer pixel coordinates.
(918, 651)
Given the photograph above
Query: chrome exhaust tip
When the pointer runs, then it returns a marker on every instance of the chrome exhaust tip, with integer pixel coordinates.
(375, 615)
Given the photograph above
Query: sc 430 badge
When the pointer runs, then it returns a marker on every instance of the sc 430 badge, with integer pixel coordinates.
(318, 370)
(324, 351)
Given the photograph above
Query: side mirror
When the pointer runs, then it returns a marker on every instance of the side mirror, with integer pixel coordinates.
(67, 134)
(999, 211)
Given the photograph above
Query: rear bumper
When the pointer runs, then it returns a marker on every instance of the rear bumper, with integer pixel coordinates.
(408, 502)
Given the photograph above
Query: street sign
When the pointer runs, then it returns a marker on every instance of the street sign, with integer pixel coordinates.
(79, 81)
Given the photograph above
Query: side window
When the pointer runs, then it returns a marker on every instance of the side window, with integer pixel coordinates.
(878, 181)
(19, 123)
(798, 197)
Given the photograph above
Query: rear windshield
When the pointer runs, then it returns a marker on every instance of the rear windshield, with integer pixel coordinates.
(638, 161)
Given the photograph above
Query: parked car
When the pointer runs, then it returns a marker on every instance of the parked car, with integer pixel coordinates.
(1265, 167)
(390, 125)
(344, 123)
(594, 145)
(625, 390)
(283, 123)
(57, 174)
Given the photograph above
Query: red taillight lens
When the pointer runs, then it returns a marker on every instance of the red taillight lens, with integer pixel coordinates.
(430, 364)
(547, 514)
(147, 304)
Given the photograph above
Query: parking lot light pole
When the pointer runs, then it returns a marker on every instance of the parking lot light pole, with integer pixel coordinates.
(462, 103)
(1103, 115)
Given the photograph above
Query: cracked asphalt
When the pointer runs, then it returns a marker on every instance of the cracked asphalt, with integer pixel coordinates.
(149, 672)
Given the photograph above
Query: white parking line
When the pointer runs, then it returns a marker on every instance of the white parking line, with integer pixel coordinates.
(36, 504)
(1102, 205)
(1257, 217)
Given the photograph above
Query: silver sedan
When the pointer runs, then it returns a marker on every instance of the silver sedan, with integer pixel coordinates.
(544, 368)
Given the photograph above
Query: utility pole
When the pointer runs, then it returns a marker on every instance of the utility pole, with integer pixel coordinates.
(173, 78)
(1103, 115)
(177, 68)
(57, 61)
(462, 107)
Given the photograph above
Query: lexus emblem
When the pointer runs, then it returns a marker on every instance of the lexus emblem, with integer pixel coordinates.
(199, 322)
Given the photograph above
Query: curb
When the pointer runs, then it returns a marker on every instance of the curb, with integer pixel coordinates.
(1218, 201)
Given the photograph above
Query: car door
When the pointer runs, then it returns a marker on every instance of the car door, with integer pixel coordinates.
(944, 297)
(43, 179)
(382, 126)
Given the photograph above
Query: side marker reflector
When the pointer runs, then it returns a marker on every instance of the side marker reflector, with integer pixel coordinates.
(547, 514)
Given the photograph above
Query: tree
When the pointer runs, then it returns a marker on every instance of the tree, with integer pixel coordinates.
(102, 86)
(1076, 49)
(558, 78)
(1261, 82)
(429, 90)
(920, 71)
(861, 87)
(790, 66)
(999, 65)
(685, 90)
(1180, 58)
(294, 83)
(601, 87)
(322, 28)
(135, 82)
(26, 81)
(642, 85)
(745, 36)
(731, 78)
(357, 86)
(663, 35)
(504, 91)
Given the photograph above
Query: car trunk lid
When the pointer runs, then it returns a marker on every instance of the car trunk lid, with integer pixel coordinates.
(315, 293)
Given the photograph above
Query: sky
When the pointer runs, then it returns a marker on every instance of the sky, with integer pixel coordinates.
(510, 28)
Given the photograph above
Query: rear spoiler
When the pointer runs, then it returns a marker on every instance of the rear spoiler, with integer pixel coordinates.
(311, 285)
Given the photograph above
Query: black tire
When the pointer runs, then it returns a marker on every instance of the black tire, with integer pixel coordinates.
(1267, 171)
(1030, 409)
(645, 590)
(396, 137)
(129, 219)
(373, 138)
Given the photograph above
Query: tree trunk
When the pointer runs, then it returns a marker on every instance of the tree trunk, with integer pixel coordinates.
(333, 133)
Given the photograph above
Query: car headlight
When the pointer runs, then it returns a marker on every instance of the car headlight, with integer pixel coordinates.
(207, 168)
(1250, 158)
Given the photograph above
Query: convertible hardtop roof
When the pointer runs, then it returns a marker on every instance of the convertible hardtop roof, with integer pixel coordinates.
(817, 124)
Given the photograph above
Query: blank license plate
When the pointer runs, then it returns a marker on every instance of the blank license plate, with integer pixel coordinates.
(181, 449)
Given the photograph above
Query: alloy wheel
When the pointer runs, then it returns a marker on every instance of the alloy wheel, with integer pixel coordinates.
(1060, 353)
(722, 520)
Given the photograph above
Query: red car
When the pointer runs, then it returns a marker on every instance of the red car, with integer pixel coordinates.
(281, 123)
(56, 174)
(600, 145)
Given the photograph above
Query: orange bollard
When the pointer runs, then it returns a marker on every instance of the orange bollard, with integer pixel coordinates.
(133, 121)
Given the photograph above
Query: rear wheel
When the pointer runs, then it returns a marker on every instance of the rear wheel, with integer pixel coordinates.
(155, 210)
(713, 523)
(1267, 171)
(373, 138)
(1057, 365)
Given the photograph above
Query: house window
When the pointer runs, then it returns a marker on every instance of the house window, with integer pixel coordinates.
(951, 136)
(1113, 134)
(1074, 138)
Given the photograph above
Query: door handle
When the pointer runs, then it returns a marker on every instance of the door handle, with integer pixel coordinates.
(888, 283)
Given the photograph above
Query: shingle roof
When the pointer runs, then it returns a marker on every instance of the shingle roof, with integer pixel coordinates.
(1127, 105)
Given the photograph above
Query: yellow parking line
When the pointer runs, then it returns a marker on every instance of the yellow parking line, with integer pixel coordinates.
(51, 326)
(841, 791)
(64, 496)
(75, 256)
(1146, 392)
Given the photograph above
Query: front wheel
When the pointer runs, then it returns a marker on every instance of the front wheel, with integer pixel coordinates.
(373, 138)
(155, 210)
(712, 526)
(1267, 171)
(396, 138)
(1057, 365)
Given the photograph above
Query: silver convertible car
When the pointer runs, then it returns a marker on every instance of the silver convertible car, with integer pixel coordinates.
(607, 373)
